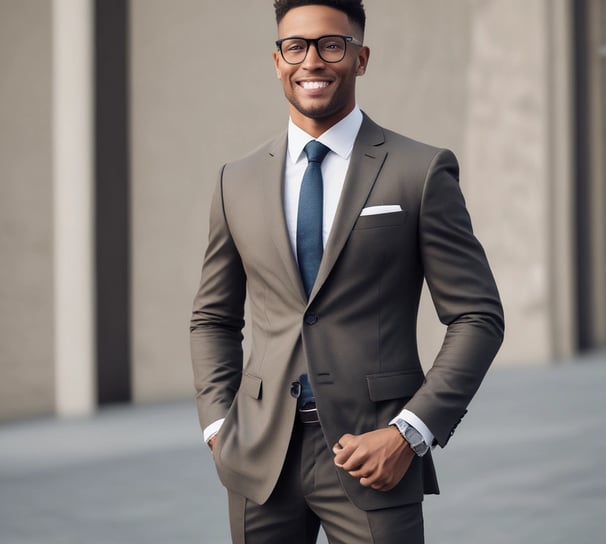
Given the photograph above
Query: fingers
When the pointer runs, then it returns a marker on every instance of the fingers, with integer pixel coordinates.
(376, 459)
(361, 471)
(345, 440)
(351, 454)
(370, 476)
(370, 482)
(343, 450)
(377, 482)
(353, 458)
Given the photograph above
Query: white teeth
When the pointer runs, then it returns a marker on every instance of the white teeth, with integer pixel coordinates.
(314, 84)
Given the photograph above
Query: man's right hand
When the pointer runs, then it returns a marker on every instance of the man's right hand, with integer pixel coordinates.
(211, 442)
(379, 459)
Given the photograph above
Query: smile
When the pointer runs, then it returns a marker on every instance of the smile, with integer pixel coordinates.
(314, 84)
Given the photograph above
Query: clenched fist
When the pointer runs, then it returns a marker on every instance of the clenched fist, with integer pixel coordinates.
(379, 459)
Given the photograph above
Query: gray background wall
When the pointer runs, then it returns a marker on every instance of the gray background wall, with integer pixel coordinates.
(26, 212)
(472, 76)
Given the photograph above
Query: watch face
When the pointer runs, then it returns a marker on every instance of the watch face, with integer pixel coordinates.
(416, 441)
(413, 436)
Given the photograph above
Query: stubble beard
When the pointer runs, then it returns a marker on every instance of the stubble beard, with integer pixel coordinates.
(319, 112)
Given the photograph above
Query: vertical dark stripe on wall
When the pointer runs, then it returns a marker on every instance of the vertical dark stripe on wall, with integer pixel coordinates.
(582, 165)
(112, 201)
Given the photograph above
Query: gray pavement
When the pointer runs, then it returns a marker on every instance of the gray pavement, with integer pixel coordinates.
(525, 466)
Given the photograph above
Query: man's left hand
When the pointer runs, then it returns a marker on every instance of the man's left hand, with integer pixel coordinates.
(378, 458)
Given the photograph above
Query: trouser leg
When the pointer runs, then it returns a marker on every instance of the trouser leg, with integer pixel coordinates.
(309, 493)
(342, 521)
(285, 518)
(398, 525)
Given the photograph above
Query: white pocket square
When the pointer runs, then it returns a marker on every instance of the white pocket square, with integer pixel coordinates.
(387, 208)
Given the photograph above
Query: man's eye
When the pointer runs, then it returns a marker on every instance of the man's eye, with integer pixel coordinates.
(295, 47)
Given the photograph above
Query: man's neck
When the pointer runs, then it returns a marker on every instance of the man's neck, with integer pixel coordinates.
(317, 127)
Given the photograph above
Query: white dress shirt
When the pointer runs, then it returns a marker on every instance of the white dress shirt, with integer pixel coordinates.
(340, 139)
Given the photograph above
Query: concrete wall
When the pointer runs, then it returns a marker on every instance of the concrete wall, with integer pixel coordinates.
(197, 102)
(488, 80)
(472, 76)
(26, 215)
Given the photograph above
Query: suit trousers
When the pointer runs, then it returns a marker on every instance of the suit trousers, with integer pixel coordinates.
(308, 494)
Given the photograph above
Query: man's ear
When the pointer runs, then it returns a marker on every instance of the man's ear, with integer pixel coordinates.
(276, 56)
(363, 57)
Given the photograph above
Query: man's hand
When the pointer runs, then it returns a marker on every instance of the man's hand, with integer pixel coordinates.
(379, 458)
(211, 442)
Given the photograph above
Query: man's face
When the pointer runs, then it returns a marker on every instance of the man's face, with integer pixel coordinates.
(320, 93)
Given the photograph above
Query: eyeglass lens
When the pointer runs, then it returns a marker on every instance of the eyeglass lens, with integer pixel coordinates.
(330, 49)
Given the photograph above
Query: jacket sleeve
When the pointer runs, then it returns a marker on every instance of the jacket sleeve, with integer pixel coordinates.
(217, 319)
(465, 296)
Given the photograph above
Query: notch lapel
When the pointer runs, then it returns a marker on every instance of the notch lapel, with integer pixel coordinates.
(366, 161)
(275, 210)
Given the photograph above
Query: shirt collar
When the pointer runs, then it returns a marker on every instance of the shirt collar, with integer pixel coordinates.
(339, 138)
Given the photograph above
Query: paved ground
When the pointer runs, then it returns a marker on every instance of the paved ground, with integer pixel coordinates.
(526, 466)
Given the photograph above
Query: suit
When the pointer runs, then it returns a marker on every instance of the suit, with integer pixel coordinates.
(355, 336)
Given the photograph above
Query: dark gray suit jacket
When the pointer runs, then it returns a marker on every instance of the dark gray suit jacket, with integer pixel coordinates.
(356, 335)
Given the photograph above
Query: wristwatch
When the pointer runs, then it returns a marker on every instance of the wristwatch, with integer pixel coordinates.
(412, 436)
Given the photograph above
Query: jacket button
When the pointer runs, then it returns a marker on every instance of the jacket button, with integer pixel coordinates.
(311, 318)
(295, 389)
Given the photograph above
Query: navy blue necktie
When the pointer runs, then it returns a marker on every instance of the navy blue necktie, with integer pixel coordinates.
(309, 217)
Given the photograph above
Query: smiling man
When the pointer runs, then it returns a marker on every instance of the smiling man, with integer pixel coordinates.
(329, 230)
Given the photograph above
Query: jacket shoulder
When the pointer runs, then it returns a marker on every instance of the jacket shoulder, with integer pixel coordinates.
(414, 152)
(271, 147)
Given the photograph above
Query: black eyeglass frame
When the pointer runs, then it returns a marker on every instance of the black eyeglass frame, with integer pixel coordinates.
(314, 41)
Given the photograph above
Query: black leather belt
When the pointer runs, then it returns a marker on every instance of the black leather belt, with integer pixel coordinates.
(309, 414)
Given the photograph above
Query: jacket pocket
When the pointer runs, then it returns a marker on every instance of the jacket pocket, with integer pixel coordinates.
(252, 386)
(394, 385)
(380, 220)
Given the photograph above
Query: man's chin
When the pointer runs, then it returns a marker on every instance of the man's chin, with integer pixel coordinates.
(316, 112)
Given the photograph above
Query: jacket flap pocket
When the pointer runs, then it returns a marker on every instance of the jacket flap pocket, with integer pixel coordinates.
(251, 386)
(394, 385)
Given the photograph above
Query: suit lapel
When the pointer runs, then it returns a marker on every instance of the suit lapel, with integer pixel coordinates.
(275, 211)
(366, 161)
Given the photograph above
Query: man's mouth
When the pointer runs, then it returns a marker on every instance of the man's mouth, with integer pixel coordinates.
(314, 84)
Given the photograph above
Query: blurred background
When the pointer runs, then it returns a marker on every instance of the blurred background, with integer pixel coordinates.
(116, 115)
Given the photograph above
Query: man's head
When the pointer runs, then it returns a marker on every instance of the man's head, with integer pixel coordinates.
(354, 9)
(318, 69)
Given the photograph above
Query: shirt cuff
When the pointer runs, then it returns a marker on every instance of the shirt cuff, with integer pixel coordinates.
(417, 423)
(213, 429)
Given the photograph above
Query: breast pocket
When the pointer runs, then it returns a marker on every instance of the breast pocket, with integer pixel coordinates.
(380, 220)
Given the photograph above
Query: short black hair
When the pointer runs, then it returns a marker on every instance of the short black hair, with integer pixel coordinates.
(354, 9)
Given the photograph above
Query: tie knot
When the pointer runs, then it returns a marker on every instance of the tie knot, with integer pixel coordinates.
(315, 151)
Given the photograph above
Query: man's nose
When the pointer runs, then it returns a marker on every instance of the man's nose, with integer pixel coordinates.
(313, 59)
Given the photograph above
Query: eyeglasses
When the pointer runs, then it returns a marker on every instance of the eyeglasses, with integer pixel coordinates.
(330, 48)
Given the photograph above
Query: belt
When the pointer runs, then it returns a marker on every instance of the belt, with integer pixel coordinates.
(309, 414)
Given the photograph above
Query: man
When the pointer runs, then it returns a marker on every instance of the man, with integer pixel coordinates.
(331, 419)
